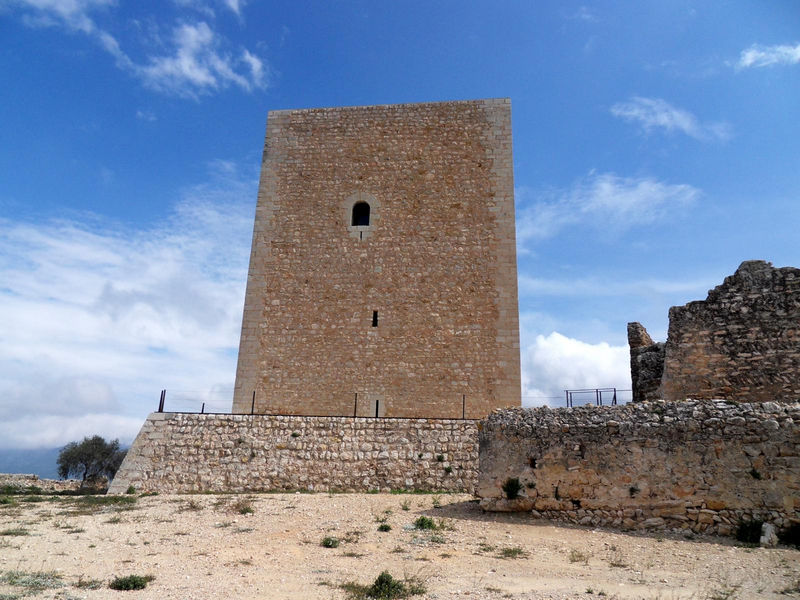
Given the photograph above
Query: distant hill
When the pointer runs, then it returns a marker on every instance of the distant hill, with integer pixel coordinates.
(41, 461)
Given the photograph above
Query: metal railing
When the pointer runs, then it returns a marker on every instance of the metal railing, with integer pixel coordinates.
(598, 396)
(189, 398)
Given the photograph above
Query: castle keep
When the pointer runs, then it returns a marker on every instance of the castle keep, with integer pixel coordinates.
(383, 274)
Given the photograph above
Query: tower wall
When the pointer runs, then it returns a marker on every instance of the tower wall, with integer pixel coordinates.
(413, 315)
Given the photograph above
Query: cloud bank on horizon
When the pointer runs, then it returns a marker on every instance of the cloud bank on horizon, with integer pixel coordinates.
(98, 318)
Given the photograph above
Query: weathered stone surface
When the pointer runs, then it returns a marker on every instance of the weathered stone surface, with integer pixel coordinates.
(742, 343)
(412, 315)
(697, 464)
(769, 536)
(178, 452)
(647, 363)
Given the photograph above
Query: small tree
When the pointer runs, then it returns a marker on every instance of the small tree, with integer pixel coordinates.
(90, 459)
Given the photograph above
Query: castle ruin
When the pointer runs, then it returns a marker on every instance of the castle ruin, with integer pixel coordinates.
(742, 343)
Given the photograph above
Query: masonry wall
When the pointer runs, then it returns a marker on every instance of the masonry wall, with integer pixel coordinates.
(177, 452)
(647, 364)
(436, 265)
(697, 465)
(742, 343)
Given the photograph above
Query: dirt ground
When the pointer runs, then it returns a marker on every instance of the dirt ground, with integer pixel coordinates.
(270, 546)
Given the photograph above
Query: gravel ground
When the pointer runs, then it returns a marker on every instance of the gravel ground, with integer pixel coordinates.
(211, 546)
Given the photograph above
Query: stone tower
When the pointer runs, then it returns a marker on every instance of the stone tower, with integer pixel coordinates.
(383, 274)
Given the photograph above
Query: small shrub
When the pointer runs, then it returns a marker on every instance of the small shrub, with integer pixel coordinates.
(633, 490)
(440, 458)
(749, 532)
(423, 522)
(384, 527)
(192, 505)
(34, 582)
(385, 587)
(448, 469)
(329, 542)
(295, 434)
(405, 505)
(512, 487)
(130, 490)
(244, 506)
(6, 501)
(16, 531)
(131, 582)
(792, 588)
(437, 501)
(754, 473)
(88, 584)
(578, 556)
(512, 552)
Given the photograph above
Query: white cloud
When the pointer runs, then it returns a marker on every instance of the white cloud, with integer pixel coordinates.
(767, 56)
(146, 115)
(235, 5)
(554, 363)
(198, 61)
(96, 320)
(71, 13)
(606, 199)
(655, 113)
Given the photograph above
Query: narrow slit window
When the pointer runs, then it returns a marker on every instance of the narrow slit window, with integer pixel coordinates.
(374, 318)
(360, 216)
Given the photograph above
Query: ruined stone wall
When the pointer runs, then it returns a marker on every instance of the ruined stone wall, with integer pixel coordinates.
(412, 313)
(742, 343)
(24, 481)
(647, 363)
(697, 465)
(177, 452)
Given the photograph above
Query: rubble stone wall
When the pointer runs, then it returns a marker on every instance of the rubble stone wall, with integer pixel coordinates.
(25, 481)
(697, 465)
(742, 343)
(647, 363)
(177, 452)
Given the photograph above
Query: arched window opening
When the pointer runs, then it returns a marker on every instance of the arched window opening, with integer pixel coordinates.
(360, 215)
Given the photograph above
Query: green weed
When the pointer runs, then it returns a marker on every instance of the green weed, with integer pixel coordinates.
(131, 582)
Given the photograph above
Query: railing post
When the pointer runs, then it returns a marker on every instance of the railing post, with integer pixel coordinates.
(463, 406)
(203, 408)
(377, 405)
(161, 401)
(253, 403)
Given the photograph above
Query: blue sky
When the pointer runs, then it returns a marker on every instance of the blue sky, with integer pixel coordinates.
(655, 148)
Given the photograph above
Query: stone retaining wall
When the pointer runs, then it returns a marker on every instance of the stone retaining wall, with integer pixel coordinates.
(697, 465)
(177, 452)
